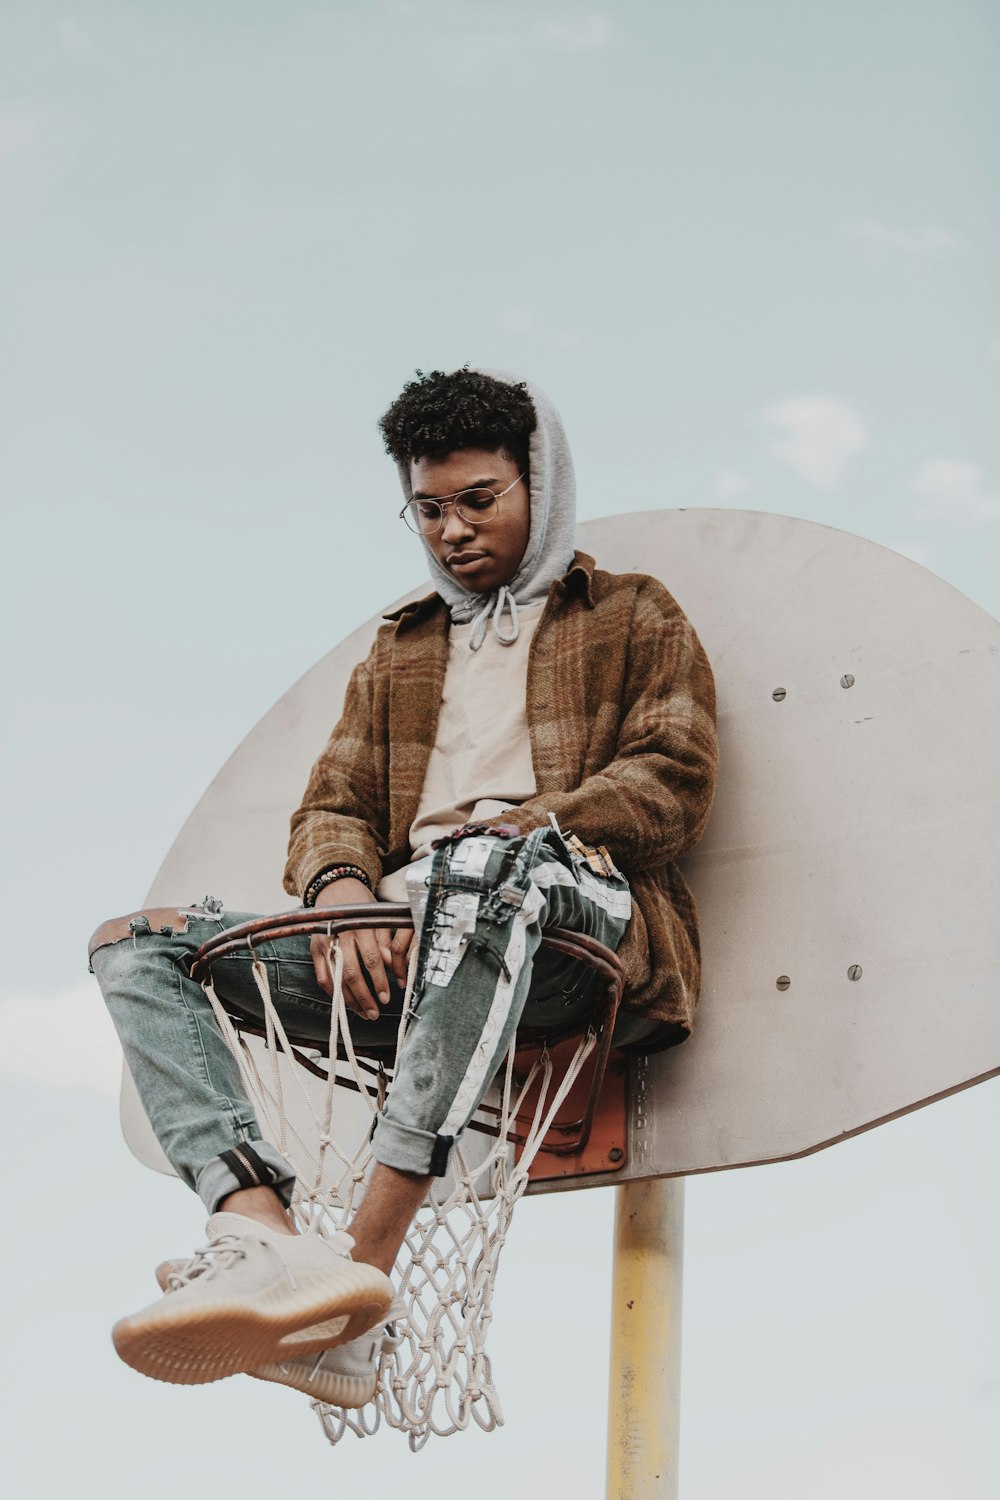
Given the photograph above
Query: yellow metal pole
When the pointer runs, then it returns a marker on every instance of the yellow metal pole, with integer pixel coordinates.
(645, 1382)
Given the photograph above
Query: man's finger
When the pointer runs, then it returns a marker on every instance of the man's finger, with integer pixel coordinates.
(376, 938)
(402, 941)
(371, 957)
(319, 949)
(362, 957)
(357, 995)
(382, 937)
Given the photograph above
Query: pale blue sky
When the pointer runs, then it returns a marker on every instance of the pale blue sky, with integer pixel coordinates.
(750, 250)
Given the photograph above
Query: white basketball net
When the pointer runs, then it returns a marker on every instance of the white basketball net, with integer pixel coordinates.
(439, 1378)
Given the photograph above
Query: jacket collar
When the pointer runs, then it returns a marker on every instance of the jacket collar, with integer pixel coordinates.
(577, 579)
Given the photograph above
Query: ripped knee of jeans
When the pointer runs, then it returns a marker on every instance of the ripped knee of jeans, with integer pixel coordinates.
(167, 921)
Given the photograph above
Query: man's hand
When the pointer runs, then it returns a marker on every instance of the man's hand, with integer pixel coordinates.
(374, 951)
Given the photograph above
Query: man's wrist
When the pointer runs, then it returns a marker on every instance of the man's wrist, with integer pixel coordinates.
(330, 876)
(344, 892)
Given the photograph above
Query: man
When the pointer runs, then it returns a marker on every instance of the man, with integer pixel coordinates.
(532, 744)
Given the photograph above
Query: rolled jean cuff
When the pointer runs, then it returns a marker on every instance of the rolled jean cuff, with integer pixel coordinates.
(217, 1180)
(409, 1149)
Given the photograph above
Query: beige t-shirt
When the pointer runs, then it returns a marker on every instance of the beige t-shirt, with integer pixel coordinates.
(481, 760)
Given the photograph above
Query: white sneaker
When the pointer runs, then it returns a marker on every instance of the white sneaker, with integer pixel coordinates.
(345, 1376)
(231, 1306)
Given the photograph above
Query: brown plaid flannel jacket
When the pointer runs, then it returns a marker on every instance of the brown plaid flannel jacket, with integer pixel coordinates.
(621, 714)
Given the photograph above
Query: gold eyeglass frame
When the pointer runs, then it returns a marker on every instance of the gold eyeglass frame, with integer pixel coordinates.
(445, 500)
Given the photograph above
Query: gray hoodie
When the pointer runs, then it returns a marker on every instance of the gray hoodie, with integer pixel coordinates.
(550, 539)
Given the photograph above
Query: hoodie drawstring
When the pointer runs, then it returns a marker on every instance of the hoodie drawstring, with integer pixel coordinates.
(495, 606)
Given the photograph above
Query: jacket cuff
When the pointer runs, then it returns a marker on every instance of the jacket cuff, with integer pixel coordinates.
(525, 818)
(299, 874)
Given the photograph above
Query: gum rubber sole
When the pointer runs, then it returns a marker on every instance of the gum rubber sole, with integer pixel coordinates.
(194, 1342)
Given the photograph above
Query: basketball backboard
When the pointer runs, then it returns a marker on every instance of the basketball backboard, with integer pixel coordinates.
(849, 879)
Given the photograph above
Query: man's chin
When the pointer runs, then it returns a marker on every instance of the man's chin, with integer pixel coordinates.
(486, 586)
(477, 578)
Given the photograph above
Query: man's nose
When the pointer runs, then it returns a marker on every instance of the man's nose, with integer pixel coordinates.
(455, 527)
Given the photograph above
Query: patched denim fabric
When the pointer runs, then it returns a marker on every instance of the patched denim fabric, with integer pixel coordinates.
(480, 906)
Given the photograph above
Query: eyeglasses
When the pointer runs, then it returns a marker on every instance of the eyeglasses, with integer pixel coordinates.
(473, 506)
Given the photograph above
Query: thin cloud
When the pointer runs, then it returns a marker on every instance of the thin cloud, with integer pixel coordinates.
(64, 1042)
(953, 490)
(730, 483)
(19, 124)
(587, 33)
(519, 320)
(817, 437)
(916, 551)
(523, 320)
(73, 38)
(928, 241)
(491, 33)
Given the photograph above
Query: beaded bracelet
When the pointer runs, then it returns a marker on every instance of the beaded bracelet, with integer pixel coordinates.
(327, 877)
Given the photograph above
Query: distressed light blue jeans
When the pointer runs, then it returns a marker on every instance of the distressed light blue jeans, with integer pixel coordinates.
(480, 905)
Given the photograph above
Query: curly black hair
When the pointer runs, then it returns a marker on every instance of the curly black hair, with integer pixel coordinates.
(438, 413)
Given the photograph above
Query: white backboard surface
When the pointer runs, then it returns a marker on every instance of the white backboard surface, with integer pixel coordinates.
(856, 832)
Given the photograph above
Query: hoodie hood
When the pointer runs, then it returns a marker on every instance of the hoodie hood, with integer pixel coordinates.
(552, 530)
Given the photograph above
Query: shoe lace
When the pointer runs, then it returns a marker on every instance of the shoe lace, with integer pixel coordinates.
(391, 1338)
(220, 1254)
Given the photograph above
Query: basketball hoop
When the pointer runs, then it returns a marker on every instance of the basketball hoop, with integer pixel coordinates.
(438, 1378)
(847, 837)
